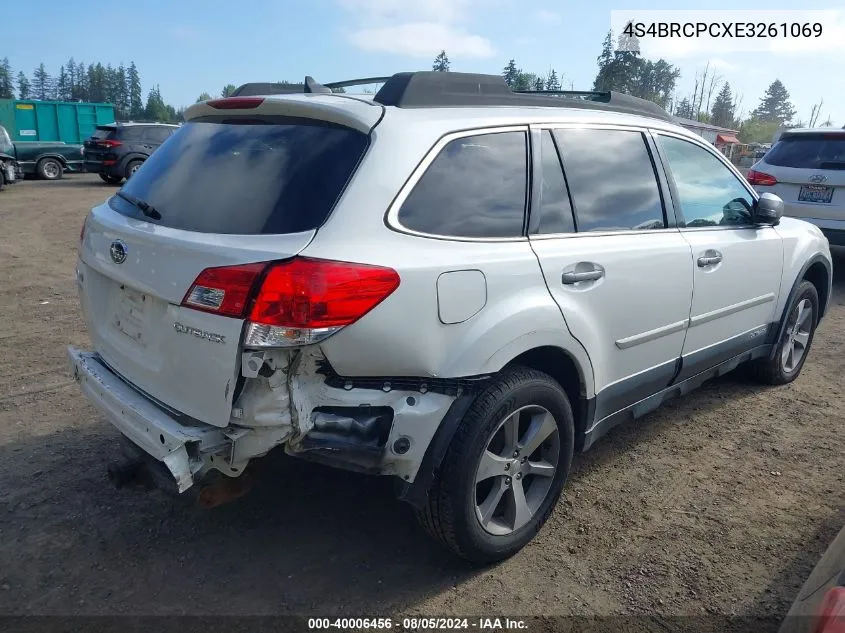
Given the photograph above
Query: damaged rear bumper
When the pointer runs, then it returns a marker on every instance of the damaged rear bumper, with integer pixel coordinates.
(188, 451)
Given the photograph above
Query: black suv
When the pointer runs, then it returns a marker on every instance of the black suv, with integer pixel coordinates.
(117, 150)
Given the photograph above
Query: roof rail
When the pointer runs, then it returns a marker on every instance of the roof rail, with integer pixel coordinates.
(428, 89)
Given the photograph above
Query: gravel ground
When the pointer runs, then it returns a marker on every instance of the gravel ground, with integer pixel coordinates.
(719, 503)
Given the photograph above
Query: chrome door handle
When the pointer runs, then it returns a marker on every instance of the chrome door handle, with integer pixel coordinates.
(709, 258)
(589, 275)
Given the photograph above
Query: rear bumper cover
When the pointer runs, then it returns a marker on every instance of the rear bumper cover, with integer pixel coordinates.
(183, 449)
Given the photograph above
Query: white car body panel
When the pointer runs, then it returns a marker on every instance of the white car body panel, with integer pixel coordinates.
(737, 295)
(465, 308)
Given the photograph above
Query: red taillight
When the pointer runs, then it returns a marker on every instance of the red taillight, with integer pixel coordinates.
(236, 103)
(832, 612)
(314, 293)
(108, 143)
(299, 301)
(224, 291)
(759, 178)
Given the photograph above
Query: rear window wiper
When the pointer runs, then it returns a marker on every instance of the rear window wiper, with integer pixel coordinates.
(145, 207)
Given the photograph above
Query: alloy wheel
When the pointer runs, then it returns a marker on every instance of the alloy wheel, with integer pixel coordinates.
(798, 333)
(516, 470)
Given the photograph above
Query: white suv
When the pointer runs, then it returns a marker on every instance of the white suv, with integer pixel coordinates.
(448, 283)
(806, 168)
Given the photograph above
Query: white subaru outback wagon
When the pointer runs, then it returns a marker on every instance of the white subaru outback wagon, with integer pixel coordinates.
(448, 283)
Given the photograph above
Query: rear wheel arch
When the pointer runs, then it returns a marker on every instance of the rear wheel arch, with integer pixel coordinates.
(818, 275)
(567, 372)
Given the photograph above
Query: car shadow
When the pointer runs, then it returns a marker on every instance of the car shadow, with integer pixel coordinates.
(302, 538)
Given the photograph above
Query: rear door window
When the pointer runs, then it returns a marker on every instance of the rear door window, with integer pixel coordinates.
(612, 180)
(555, 208)
(265, 176)
(156, 134)
(475, 187)
(102, 133)
(809, 151)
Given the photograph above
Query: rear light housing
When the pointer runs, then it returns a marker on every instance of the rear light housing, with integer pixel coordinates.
(108, 143)
(300, 301)
(831, 618)
(759, 178)
(236, 103)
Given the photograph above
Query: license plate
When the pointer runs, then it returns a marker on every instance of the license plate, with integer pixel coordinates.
(815, 193)
(130, 314)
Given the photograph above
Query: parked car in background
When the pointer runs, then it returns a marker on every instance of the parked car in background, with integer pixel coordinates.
(820, 605)
(9, 168)
(117, 150)
(806, 168)
(45, 160)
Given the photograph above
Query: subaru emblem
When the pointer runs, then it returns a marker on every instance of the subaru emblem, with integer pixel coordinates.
(118, 251)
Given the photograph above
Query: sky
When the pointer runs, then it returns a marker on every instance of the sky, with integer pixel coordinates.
(190, 47)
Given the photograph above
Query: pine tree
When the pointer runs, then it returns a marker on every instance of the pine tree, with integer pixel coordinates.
(722, 113)
(136, 105)
(441, 62)
(24, 86)
(204, 97)
(552, 81)
(41, 83)
(7, 90)
(684, 109)
(605, 59)
(121, 103)
(775, 105)
(62, 85)
(70, 70)
(156, 109)
(510, 73)
(228, 90)
(81, 83)
(539, 84)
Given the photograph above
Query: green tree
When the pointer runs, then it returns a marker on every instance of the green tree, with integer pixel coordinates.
(156, 109)
(775, 105)
(510, 73)
(722, 112)
(228, 90)
(41, 83)
(7, 89)
(63, 85)
(204, 97)
(684, 109)
(441, 62)
(133, 87)
(81, 83)
(552, 81)
(24, 86)
(525, 81)
(121, 93)
(755, 130)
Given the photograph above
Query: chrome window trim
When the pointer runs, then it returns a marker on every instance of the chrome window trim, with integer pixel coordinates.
(392, 215)
(707, 147)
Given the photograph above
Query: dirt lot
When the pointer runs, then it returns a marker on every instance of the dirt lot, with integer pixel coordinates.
(718, 503)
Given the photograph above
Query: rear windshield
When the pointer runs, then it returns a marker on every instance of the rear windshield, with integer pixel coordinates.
(247, 176)
(102, 132)
(809, 151)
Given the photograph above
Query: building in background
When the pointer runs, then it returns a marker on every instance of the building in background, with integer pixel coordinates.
(723, 138)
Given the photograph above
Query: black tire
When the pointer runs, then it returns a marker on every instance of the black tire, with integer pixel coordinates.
(776, 370)
(450, 513)
(108, 178)
(49, 169)
(131, 167)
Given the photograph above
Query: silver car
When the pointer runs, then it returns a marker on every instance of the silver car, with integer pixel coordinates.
(806, 168)
(447, 283)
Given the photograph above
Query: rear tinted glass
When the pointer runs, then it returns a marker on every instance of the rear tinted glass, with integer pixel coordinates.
(474, 188)
(809, 151)
(611, 179)
(102, 133)
(247, 177)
